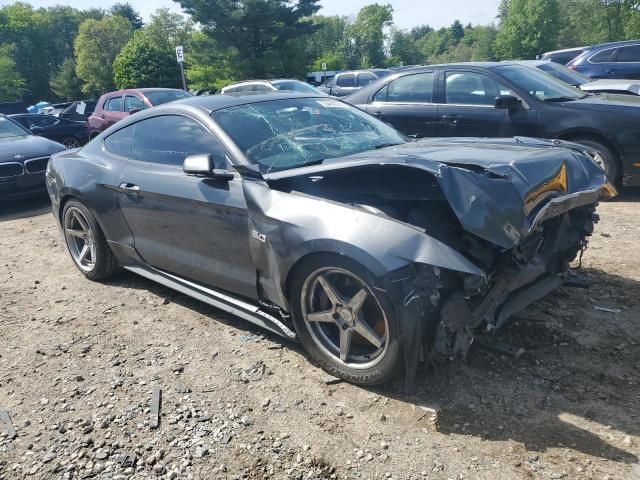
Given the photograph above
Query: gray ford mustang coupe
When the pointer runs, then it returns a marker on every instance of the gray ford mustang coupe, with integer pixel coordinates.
(316, 221)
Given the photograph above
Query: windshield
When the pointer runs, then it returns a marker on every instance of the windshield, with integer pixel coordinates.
(11, 129)
(160, 97)
(289, 133)
(564, 74)
(539, 84)
(295, 86)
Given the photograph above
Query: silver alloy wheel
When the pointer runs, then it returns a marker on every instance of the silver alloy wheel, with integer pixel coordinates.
(344, 318)
(597, 157)
(71, 142)
(80, 239)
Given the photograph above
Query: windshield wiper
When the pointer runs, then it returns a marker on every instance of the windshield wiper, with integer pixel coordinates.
(562, 99)
(385, 145)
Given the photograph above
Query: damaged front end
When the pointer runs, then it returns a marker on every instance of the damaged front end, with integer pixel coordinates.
(460, 234)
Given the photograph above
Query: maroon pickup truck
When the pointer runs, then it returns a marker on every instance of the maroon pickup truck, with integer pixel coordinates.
(114, 106)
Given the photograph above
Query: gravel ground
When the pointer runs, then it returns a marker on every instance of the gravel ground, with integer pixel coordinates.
(554, 395)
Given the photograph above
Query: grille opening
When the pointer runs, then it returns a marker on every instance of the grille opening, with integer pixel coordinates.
(10, 169)
(36, 165)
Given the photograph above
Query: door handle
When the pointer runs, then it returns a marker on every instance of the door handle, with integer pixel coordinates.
(129, 188)
(377, 113)
(450, 119)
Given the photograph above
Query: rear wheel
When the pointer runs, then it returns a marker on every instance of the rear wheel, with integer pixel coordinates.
(346, 326)
(86, 242)
(603, 157)
(71, 142)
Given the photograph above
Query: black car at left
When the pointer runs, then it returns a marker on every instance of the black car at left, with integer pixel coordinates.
(23, 159)
(507, 99)
(67, 132)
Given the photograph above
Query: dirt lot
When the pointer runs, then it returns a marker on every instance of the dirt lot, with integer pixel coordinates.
(79, 360)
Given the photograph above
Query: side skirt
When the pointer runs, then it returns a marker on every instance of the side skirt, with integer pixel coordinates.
(223, 301)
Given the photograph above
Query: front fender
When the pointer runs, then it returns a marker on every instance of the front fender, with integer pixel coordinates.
(285, 227)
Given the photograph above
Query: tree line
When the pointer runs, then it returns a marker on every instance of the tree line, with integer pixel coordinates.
(66, 53)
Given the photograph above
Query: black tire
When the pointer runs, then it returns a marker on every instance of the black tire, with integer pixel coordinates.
(609, 161)
(389, 362)
(104, 263)
(71, 142)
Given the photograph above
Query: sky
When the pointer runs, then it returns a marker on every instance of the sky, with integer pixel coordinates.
(407, 13)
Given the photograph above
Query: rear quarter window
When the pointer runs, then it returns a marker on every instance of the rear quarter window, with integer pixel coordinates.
(120, 142)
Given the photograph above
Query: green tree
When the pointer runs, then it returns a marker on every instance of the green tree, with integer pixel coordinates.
(328, 44)
(457, 32)
(260, 30)
(65, 84)
(169, 29)
(96, 47)
(403, 48)
(143, 62)
(530, 27)
(11, 82)
(27, 30)
(127, 11)
(367, 33)
(208, 65)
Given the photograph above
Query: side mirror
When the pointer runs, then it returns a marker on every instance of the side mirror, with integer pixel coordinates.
(508, 102)
(204, 165)
(133, 110)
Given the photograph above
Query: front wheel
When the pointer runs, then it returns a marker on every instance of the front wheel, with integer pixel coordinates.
(603, 157)
(346, 326)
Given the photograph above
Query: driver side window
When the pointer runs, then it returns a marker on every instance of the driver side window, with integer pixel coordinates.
(471, 88)
(169, 139)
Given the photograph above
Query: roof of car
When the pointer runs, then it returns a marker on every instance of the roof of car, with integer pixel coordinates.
(142, 90)
(458, 64)
(614, 44)
(217, 102)
(563, 50)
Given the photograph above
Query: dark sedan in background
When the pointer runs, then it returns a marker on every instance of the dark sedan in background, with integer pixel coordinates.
(316, 221)
(505, 100)
(67, 132)
(23, 160)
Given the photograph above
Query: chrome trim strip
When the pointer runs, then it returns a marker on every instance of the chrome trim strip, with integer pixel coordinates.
(587, 194)
(13, 163)
(26, 169)
(227, 303)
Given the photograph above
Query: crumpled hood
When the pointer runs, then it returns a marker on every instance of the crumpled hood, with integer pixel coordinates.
(500, 189)
(27, 146)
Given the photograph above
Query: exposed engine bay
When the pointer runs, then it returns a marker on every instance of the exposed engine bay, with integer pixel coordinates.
(439, 310)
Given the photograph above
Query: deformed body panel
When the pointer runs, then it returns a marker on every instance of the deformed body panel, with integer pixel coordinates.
(286, 227)
(531, 216)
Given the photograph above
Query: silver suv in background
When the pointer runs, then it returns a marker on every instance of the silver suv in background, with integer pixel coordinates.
(345, 83)
(284, 84)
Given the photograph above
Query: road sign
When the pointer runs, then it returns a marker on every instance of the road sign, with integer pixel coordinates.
(180, 53)
(324, 66)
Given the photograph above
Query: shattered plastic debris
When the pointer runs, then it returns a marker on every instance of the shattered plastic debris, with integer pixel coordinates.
(252, 373)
